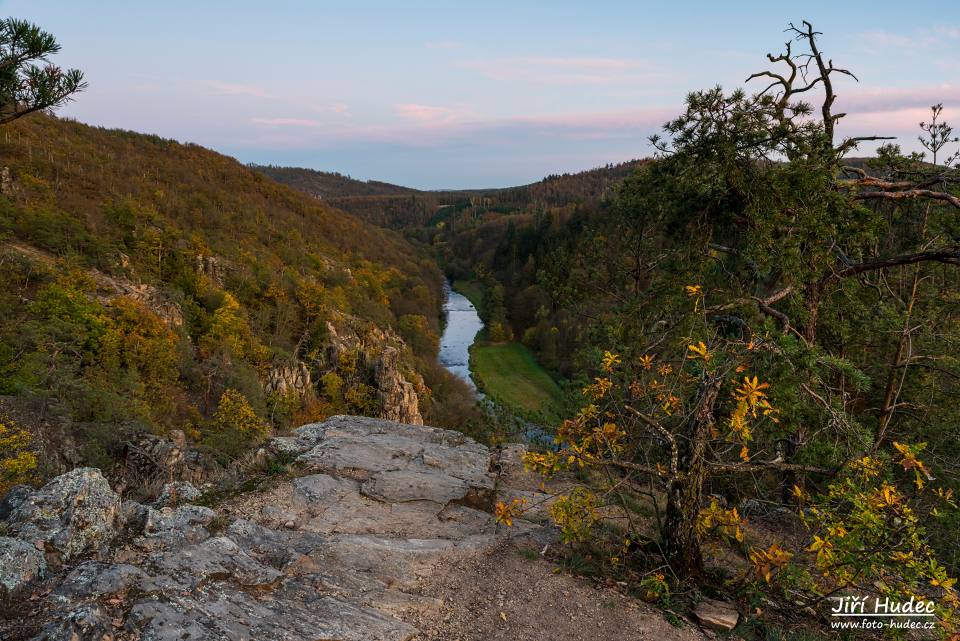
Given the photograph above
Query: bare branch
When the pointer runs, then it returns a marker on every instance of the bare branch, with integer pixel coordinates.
(947, 255)
(764, 466)
(665, 433)
(909, 194)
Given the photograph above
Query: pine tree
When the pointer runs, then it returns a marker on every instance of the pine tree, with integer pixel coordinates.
(28, 80)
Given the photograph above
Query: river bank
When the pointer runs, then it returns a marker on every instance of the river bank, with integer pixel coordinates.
(505, 373)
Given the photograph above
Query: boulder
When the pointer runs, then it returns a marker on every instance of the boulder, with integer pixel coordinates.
(88, 621)
(716, 615)
(169, 527)
(401, 486)
(219, 557)
(362, 447)
(216, 615)
(176, 493)
(133, 515)
(20, 565)
(75, 513)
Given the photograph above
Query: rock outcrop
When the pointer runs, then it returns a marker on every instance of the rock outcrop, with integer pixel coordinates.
(211, 267)
(72, 515)
(379, 354)
(398, 399)
(289, 379)
(153, 298)
(176, 493)
(150, 459)
(7, 186)
(339, 551)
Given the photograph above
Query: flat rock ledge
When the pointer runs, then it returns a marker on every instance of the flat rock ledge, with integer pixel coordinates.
(340, 551)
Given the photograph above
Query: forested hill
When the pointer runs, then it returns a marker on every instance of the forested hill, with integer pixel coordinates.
(328, 184)
(583, 187)
(399, 207)
(150, 285)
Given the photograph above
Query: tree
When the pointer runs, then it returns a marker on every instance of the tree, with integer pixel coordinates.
(25, 86)
(746, 282)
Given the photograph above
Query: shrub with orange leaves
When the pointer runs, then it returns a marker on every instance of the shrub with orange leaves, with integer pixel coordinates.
(868, 532)
(506, 512)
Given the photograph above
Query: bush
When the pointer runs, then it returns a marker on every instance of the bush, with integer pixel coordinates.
(17, 461)
(235, 425)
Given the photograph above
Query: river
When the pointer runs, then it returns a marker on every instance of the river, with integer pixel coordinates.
(462, 326)
(461, 329)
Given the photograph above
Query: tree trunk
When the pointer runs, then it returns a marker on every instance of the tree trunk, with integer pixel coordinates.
(681, 543)
(898, 368)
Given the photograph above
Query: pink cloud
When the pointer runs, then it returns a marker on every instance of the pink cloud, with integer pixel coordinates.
(887, 99)
(894, 112)
(432, 115)
(949, 32)
(884, 111)
(917, 41)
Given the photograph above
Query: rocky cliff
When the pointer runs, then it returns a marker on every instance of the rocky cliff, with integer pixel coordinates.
(378, 352)
(338, 549)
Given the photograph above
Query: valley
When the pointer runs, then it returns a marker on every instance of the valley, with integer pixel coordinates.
(704, 393)
(507, 373)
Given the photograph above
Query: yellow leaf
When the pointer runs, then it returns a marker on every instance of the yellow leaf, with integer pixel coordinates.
(610, 360)
(698, 351)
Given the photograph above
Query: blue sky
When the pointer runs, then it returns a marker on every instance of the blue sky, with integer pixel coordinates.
(455, 94)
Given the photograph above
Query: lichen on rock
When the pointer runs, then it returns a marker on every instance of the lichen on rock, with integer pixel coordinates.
(73, 514)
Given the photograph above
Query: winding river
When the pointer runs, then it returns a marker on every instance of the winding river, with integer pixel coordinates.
(461, 329)
(462, 326)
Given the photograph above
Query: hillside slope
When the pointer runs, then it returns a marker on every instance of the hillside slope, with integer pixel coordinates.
(156, 286)
(329, 184)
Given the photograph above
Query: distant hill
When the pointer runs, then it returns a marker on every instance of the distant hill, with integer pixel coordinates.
(397, 207)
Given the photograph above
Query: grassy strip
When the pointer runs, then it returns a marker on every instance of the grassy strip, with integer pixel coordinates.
(509, 374)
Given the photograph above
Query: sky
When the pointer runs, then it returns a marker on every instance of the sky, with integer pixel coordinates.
(472, 94)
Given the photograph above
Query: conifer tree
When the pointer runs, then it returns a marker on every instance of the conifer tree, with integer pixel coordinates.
(28, 80)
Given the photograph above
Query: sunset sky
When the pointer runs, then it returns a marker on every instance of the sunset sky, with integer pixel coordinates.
(453, 94)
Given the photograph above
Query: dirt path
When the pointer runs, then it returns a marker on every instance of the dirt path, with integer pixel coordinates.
(502, 594)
